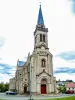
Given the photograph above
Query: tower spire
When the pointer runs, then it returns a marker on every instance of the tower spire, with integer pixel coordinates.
(40, 22)
(40, 17)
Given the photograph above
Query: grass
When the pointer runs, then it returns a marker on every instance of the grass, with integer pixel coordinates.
(66, 98)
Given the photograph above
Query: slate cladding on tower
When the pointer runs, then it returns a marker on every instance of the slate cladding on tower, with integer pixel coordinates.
(40, 17)
(40, 22)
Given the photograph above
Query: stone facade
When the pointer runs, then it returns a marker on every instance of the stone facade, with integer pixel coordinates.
(36, 75)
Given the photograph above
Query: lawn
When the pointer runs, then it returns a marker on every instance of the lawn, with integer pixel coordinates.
(66, 98)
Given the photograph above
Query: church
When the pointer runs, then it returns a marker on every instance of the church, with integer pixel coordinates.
(36, 74)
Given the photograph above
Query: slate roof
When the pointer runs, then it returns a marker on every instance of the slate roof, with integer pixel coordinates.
(21, 63)
(40, 17)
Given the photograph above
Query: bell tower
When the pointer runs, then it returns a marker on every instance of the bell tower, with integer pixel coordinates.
(40, 33)
(43, 81)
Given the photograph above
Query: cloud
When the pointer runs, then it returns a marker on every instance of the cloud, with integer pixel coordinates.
(64, 65)
(65, 70)
(7, 69)
(0, 58)
(2, 41)
(59, 63)
(65, 76)
(6, 72)
(70, 55)
(1, 67)
(4, 77)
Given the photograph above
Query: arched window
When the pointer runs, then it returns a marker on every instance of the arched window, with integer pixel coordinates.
(40, 37)
(43, 63)
(43, 37)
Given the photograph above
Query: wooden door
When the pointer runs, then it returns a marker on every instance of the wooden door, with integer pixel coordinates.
(43, 88)
(25, 89)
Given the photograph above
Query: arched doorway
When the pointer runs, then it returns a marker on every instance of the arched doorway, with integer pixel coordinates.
(25, 88)
(43, 86)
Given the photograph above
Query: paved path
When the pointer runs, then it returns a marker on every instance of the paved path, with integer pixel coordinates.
(21, 97)
(13, 97)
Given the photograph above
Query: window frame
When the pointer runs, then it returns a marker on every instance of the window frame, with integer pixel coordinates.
(40, 37)
(44, 38)
(43, 63)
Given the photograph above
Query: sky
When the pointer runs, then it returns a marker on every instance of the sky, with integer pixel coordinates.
(18, 19)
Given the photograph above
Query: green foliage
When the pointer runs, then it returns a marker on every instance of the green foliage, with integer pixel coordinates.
(4, 87)
(62, 89)
(2, 99)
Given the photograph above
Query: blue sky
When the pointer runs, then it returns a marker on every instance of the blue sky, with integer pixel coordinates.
(18, 19)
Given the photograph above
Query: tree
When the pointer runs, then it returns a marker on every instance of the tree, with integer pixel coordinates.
(62, 89)
(4, 87)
